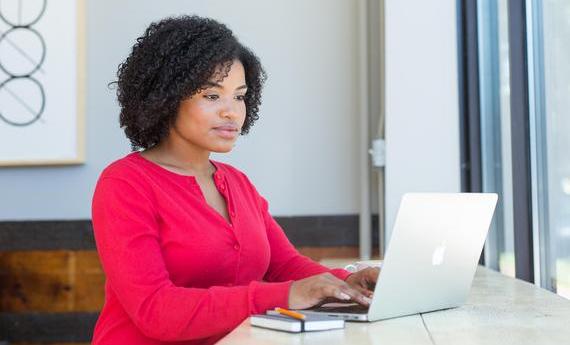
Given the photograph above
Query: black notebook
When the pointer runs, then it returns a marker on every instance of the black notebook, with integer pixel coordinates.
(276, 321)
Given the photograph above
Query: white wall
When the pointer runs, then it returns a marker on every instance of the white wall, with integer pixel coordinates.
(302, 154)
(422, 108)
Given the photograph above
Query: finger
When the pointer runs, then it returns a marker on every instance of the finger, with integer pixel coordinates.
(361, 283)
(333, 290)
(372, 278)
(355, 295)
(367, 278)
(359, 294)
(330, 300)
(363, 290)
(372, 275)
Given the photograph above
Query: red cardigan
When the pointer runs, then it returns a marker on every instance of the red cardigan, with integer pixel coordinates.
(176, 270)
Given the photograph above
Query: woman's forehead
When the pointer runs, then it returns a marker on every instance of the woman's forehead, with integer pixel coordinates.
(229, 75)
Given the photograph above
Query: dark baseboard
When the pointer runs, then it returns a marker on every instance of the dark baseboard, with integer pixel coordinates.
(47, 327)
(47, 235)
(308, 231)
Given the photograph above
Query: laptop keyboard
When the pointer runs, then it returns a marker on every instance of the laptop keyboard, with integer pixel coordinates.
(350, 309)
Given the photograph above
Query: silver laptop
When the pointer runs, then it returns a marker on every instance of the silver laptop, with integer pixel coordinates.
(431, 259)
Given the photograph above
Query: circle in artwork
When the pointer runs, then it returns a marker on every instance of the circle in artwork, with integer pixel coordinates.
(22, 52)
(21, 13)
(23, 101)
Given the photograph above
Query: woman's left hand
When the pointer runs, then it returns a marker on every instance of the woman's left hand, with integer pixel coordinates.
(364, 280)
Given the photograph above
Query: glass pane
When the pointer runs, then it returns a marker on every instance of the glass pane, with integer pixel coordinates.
(551, 48)
(495, 130)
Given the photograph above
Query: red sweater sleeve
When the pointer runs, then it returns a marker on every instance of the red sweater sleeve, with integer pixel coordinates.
(127, 237)
(286, 262)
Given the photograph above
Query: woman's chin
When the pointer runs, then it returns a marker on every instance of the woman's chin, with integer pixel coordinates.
(222, 148)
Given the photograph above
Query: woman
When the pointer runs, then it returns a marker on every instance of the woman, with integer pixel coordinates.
(187, 244)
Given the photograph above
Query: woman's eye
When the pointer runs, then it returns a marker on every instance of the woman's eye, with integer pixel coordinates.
(211, 97)
(240, 97)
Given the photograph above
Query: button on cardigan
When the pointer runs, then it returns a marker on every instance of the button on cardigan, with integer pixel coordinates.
(176, 270)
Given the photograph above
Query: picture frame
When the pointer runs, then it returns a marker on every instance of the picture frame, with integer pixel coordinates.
(42, 82)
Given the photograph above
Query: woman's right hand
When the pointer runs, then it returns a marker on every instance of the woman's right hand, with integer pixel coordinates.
(308, 292)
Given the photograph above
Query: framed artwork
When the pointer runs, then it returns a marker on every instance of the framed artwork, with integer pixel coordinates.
(42, 93)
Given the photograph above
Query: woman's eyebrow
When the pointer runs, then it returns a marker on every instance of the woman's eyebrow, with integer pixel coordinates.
(219, 86)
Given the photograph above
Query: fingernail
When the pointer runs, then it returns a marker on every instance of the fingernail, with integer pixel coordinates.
(366, 300)
(343, 296)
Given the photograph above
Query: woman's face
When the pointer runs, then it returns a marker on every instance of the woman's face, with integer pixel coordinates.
(212, 119)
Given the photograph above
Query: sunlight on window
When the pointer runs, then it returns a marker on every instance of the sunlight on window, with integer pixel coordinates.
(563, 277)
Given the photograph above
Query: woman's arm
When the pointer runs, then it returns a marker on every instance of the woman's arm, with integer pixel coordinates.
(310, 286)
(127, 237)
(286, 262)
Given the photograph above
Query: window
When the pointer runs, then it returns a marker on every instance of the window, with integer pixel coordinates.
(496, 175)
(549, 76)
(521, 85)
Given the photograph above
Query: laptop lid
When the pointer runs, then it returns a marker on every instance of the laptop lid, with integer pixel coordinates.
(433, 253)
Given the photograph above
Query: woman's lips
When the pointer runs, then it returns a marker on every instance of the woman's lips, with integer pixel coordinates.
(226, 132)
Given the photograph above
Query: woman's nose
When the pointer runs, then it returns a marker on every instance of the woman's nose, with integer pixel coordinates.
(229, 110)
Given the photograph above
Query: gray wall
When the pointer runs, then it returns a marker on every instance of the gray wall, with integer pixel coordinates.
(422, 106)
(302, 154)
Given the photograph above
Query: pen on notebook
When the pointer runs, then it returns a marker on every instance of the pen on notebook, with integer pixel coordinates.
(290, 313)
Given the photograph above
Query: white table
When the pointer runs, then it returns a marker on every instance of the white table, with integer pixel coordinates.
(499, 310)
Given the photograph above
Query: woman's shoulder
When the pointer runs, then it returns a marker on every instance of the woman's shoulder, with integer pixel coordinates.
(128, 167)
(128, 173)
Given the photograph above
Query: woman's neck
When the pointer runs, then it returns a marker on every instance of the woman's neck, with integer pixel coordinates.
(182, 157)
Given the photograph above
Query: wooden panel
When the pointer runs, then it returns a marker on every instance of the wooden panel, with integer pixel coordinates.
(44, 292)
(319, 253)
(90, 282)
(51, 281)
(66, 280)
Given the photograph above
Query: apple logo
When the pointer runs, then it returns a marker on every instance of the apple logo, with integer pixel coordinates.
(438, 255)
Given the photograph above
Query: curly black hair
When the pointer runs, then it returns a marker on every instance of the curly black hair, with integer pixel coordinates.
(173, 60)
